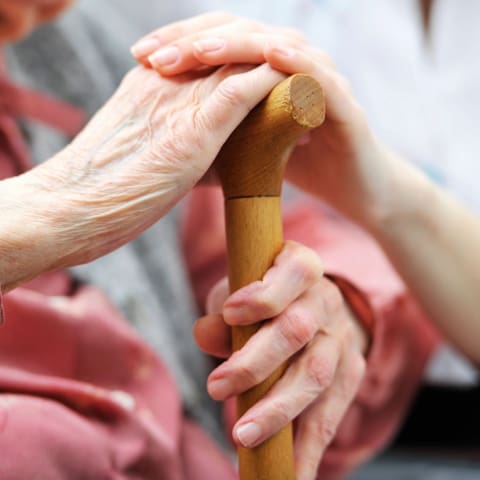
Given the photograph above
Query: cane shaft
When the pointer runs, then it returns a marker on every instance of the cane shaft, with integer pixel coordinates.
(251, 165)
(254, 238)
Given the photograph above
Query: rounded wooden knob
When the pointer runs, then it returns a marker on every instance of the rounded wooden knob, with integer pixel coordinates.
(252, 161)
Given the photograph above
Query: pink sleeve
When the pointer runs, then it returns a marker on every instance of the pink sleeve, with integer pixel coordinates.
(2, 317)
(402, 338)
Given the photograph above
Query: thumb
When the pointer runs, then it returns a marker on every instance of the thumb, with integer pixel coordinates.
(217, 296)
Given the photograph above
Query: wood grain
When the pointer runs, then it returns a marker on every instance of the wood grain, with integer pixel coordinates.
(251, 166)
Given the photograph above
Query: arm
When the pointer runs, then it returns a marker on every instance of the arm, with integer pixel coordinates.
(431, 240)
(140, 154)
(434, 243)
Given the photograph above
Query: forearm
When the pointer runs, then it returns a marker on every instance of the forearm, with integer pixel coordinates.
(41, 229)
(24, 251)
(434, 243)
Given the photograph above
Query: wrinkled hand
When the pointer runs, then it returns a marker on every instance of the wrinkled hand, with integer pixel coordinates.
(142, 152)
(342, 163)
(312, 328)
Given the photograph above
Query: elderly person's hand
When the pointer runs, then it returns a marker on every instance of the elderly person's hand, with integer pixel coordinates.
(311, 326)
(342, 163)
(146, 148)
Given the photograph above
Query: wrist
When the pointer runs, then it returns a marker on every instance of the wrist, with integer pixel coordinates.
(24, 230)
(401, 207)
(358, 310)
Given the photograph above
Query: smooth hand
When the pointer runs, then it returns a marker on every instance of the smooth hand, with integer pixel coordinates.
(341, 161)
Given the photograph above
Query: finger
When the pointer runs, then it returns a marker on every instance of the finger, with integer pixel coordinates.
(230, 47)
(269, 347)
(295, 270)
(217, 296)
(213, 336)
(229, 104)
(340, 103)
(148, 44)
(180, 56)
(318, 425)
(234, 48)
(187, 31)
(302, 383)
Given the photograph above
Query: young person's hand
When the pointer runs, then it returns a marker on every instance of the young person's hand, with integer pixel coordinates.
(342, 162)
(415, 221)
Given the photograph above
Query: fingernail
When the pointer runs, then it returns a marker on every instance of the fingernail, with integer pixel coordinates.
(145, 47)
(164, 57)
(220, 389)
(248, 434)
(209, 44)
(284, 51)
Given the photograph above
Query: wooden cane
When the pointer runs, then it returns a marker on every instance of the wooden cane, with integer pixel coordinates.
(251, 166)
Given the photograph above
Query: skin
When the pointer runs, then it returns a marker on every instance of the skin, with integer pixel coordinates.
(141, 153)
(312, 325)
(345, 143)
(82, 203)
(415, 221)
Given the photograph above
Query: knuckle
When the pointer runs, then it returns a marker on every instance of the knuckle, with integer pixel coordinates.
(297, 327)
(280, 412)
(247, 374)
(306, 263)
(320, 371)
(327, 430)
(357, 371)
(202, 121)
(324, 430)
(332, 297)
(266, 304)
(230, 93)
